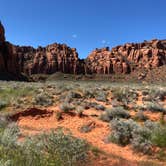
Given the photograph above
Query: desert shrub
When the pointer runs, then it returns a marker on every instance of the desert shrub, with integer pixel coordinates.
(139, 116)
(94, 105)
(117, 112)
(151, 125)
(125, 95)
(74, 94)
(66, 107)
(121, 131)
(9, 135)
(3, 123)
(3, 104)
(89, 93)
(43, 99)
(71, 95)
(152, 106)
(157, 94)
(55, 148)
(159, 136)
(99, 107)
(70, 150)
(101, 96)
(141, 140)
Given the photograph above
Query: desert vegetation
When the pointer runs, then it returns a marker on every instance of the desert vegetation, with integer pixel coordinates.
(89, 114)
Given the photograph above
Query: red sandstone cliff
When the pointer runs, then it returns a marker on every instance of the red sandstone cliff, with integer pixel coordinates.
(61, 58)
(127, 58)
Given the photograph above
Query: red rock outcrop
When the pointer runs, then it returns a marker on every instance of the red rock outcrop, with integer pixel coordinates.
(43, 60)
(61, 58)
(103, 61)
(46, 60)
(127, 58)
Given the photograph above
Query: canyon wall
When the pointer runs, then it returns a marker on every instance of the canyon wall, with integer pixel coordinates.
(61, 58)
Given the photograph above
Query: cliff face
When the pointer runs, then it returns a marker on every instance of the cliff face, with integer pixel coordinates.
(127, 58)
(46, 60)
(61, 58)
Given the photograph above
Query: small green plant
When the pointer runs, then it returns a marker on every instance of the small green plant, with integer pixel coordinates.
(159, 136)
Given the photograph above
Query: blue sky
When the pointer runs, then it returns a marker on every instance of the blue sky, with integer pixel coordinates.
(84, 24)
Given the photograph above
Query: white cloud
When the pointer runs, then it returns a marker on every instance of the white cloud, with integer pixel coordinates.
(103, 42)
(74, 36)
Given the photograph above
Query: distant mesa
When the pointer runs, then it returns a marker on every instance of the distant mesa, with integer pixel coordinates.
(53, 58)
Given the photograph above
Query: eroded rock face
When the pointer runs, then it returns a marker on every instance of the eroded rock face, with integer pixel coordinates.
(127, 58)
(47, 60)
(103, 61)
(61, 58)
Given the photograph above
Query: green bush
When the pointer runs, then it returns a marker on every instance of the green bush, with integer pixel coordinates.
(159, 136)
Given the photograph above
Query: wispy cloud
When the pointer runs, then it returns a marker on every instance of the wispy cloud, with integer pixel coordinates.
(74, 36)
(105, 42)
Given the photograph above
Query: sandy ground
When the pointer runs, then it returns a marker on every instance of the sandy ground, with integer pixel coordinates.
(34, 124)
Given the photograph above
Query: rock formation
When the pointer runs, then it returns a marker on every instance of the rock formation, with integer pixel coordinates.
(46, 60)
(127, 58)
(43, 60)
(61, 58)
(103, 61)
